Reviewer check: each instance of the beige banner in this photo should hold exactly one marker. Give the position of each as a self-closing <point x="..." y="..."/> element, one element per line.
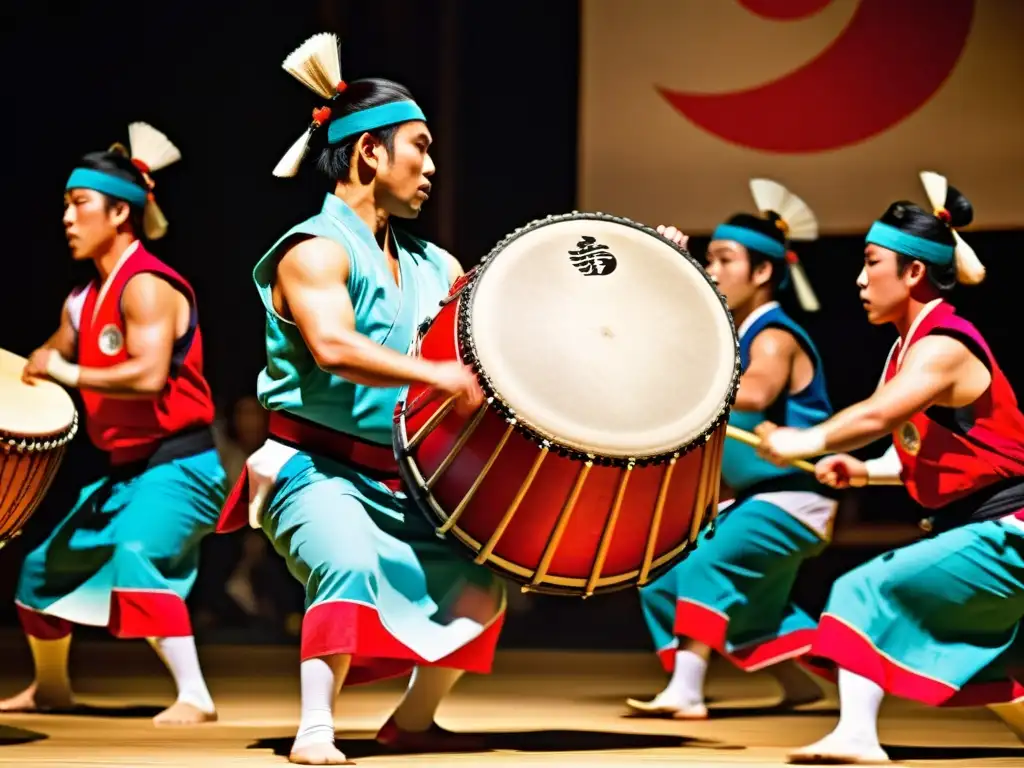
<point x="842" y="101"/>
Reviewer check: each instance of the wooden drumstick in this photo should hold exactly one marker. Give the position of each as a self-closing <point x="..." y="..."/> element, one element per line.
<point x="749" y="438"/>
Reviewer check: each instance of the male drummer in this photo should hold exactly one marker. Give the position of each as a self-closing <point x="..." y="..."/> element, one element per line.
<point x="732" y="593"/>
<point x="344" y="293"/>
<point x="127" y="554"/>
<point x="939" y="620"/>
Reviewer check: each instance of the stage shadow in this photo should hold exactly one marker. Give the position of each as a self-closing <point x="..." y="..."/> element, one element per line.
<point x="11" y="736"/>
<point x="132" y="711"/>
<point x="901" y="753"/>
<point x="727" y="713"/>
<point x="524" y="741"/>
<point x="775" y="710"/>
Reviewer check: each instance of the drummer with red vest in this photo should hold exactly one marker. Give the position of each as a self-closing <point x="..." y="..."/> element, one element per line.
<point x="937" y="621"/>
<point x="126" y="556"/>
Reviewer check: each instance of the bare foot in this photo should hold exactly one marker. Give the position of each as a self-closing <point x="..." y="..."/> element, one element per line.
<point x="318" y="754"/>
<point x="658" y="707"/>
<point x="182" y="713"/>
<point x="33" y="699"/>
<point x="835" y="750"/>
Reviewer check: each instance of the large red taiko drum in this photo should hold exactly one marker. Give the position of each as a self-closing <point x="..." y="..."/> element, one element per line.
<point x="610" y="363"/>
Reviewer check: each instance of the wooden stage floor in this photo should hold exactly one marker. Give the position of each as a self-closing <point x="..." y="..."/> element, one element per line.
<point x="539" y="709"/>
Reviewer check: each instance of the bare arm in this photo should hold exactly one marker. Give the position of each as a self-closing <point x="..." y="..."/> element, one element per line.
<point x="770" y="369"/>
<point x="455" y="270"/>
<point x="927" y="377"/>
<point x="151" y="307"/>
<point x="313" y="280"/>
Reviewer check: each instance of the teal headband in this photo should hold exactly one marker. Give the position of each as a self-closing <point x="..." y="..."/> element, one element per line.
<point x="750" y="239"/>
<point x="887" y="236"/>
<point x="88" y="178"/>
<point x="371" y="119"/>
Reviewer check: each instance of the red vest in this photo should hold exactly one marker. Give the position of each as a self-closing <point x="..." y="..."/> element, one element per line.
<point x="132" y="429"/>
<point x="975" y="446"/>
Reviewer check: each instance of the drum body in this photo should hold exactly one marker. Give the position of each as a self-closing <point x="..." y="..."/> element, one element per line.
<point x="610" y="363"/>
<point x="37" y="421"/>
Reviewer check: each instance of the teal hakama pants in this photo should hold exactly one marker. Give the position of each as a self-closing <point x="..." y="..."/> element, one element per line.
<point x="732" y="592"/>
<point x="938" y="621"/>
<point x="127" y="554"/>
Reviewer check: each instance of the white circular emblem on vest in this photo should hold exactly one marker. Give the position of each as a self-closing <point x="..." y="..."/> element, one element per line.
<point x="910" y="438"/>
<point x="111" y="340"/>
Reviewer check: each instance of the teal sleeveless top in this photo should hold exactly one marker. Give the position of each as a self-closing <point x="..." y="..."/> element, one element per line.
<point x="386" y="312"/>
<point x="742" y="467"/>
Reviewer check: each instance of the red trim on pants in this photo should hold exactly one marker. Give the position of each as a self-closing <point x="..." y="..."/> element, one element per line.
<point x="841" y="644"/>
<point x="133" y="614"/>
<point x="147" y="613"/>
<point x="706" y="626"/>
<point x="354" y="629"/>
<point x="41" y="625"/>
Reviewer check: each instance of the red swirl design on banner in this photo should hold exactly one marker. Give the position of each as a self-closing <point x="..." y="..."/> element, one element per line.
<point x="891" y="58"/>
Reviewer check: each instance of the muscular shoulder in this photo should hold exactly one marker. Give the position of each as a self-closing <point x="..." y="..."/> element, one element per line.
<point x="455" y="270"/>
<point x="774" y="342"/>
<point x="313" y="260"/>
<point x="937" y="354"/>
<point x="148" y="295"/>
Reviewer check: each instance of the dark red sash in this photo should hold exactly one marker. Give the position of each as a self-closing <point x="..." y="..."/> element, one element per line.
<point x="375" y="461"/>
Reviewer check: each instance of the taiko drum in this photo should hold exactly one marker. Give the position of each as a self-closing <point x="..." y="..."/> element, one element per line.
<point x="37" y="421"/>
<point x="610" y="363"/>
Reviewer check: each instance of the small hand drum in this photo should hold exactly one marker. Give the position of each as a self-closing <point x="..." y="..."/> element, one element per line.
<point x="37" y="421"/>
<point x="610" y="362"/>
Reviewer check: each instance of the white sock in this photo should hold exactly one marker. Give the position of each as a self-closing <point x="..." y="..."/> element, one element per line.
<point x="859" y="702"/>
<point x="797" y="685"/>
<point x="427" y="687"/>
<point x="319" y="689"/>
<point x="181" y="658"/>
<point x="687" y="683"/>
<point x="51" y="662"/>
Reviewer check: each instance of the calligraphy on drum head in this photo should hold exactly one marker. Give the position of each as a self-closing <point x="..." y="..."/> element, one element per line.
<point x="592" y="258"/>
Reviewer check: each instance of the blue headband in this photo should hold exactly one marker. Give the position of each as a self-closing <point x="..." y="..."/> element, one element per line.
<point x="750" y="239"/>
<point x="913" y="246"/>
<point x="87" y="178"/>
<point x="371" y="119"/>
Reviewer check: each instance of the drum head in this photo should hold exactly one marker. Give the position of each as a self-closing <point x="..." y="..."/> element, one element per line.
<point x="603" y="337"/>
<point x="31" y="410"/>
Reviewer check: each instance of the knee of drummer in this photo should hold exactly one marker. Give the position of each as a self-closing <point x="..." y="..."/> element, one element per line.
<point x="341" y="571"/>
<point x="479" y="602"/>
<point x="856" y="586"/>
<point x="145" y="552"/>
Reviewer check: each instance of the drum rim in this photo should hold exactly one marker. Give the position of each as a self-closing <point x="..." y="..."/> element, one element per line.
<point x="535" y="434"/>
<point x="19" y="443"/>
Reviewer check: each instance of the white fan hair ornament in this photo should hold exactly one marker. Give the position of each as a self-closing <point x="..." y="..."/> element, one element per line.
<point x="798" y="223"/>
<point x="969" y="269"/>
<point x="317" y="65"/>
<point x="149" y="150"/>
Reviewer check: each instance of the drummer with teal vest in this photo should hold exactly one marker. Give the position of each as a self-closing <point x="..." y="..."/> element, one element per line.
<point x="732" y="593"/>
<point x="345" y="292"/>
